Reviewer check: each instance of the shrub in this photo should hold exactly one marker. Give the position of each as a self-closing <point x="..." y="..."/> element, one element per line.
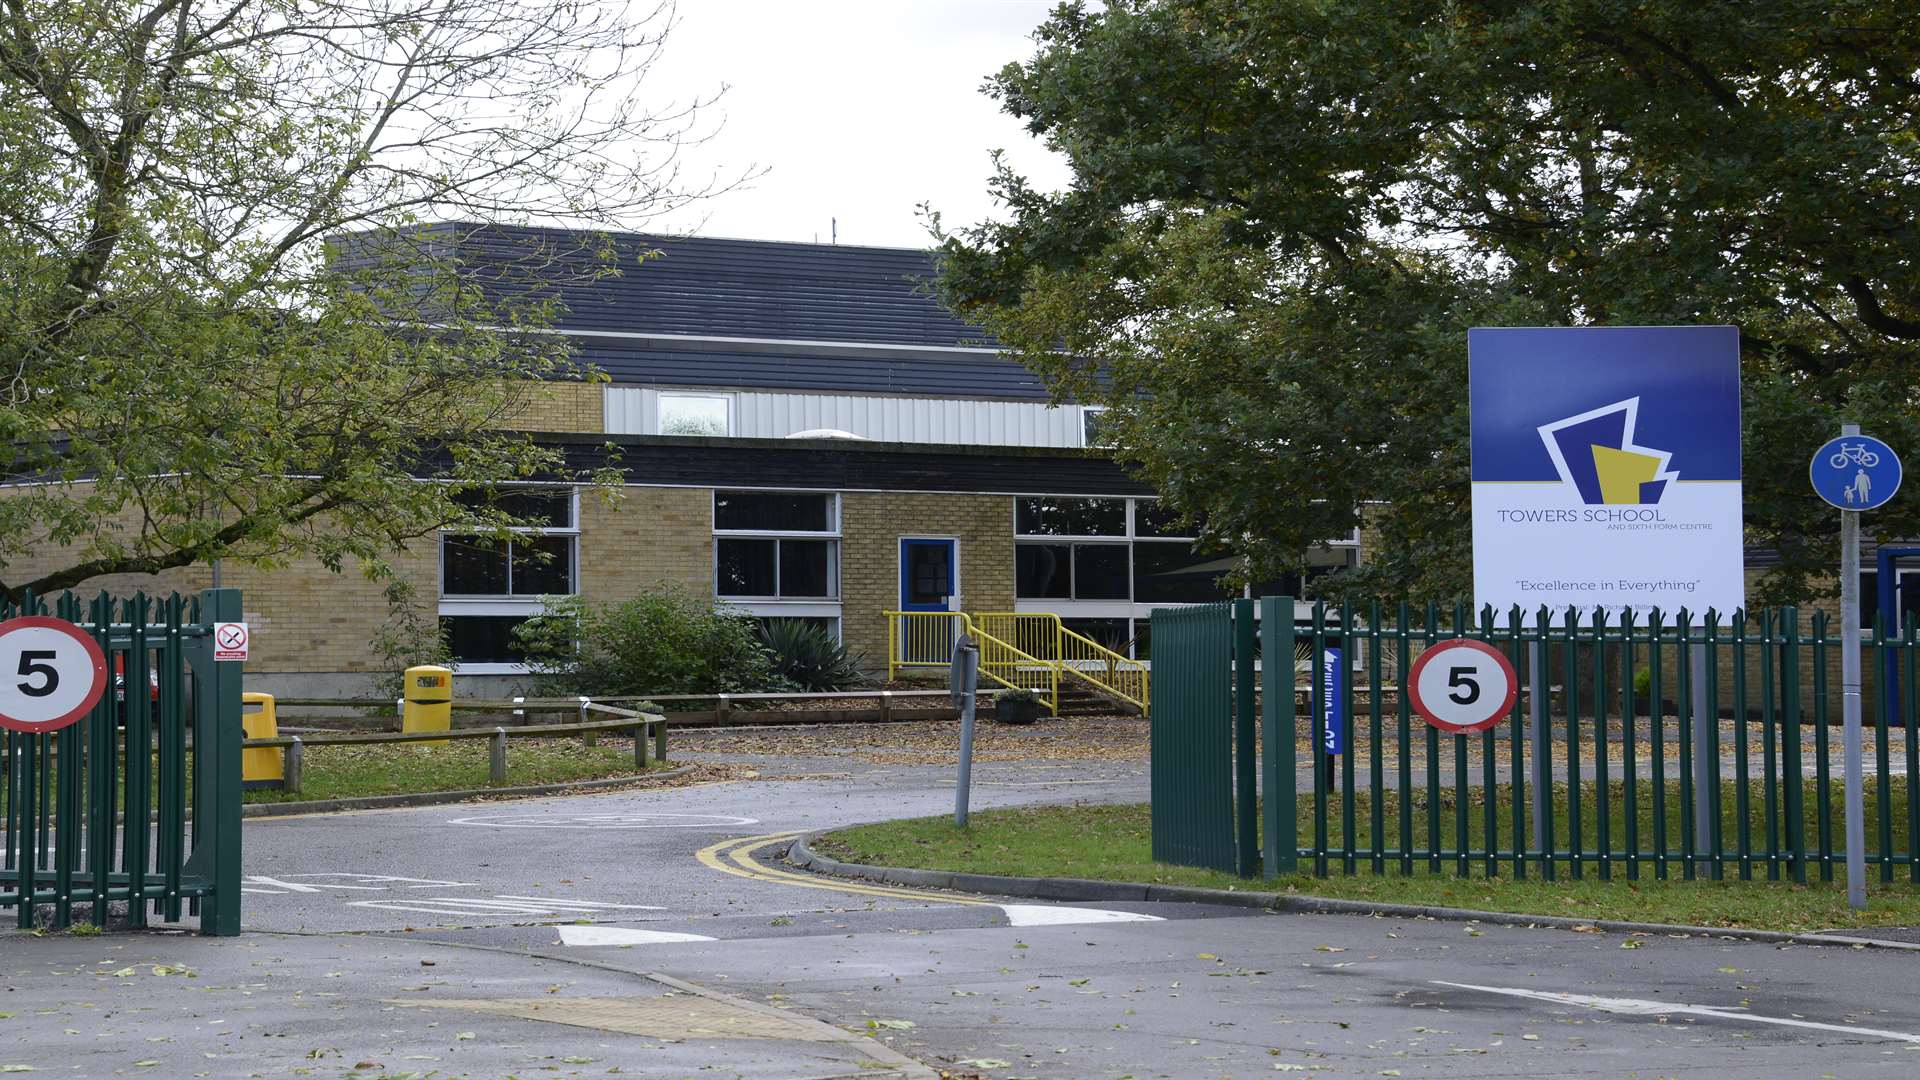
<point x="411" y="634"/>
<point x="809" y="657"/>
<point x="1642" y="682"/>
<point x="667" y="641"/>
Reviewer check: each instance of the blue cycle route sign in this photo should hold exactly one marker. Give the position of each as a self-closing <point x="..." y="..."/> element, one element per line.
<point x="1333" y="699"/>
<point x="1855" y="472"/>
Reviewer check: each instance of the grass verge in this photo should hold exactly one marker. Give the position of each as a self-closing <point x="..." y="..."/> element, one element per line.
<point x="348" y="772"/>
<point x="1114" y="843"/>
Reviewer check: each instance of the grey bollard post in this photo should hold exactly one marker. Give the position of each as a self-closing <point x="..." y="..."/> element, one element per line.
<point x="497" y="756"/>
<point x="963" y="682"/>
<point x="723" y="709"/>
<point x="293" y="764"/>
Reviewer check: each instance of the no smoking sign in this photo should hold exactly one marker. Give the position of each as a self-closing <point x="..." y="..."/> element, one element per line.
<point x="230" y="641"/>
<point x="51" y="674"/>
<point x="1462" y="686"/>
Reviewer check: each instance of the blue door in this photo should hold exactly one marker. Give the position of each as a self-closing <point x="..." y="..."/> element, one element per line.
<point x="926" y="584"/>
<point x="926" y="575"/>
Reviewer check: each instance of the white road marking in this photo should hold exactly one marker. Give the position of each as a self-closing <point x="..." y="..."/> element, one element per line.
<point x="579" y="903"/>
<point x="621" y="935"/>
<point x="369" y="883"/>
<point x="1049" y="915"/>
<point x="1643" y="1007"/>
<point x="635" y="820"/>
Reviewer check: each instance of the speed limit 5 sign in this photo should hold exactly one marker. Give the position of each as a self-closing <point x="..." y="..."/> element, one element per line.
<point x="1462" y="685"/>
<point x="51" y="673"/>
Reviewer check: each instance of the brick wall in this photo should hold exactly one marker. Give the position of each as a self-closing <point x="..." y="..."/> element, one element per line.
<point x="562" y="406"/>
<point x="872" y="525"/>
<point x="644" y="536"/>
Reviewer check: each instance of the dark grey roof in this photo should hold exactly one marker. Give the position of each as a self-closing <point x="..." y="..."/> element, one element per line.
<point x="707" y="287"/>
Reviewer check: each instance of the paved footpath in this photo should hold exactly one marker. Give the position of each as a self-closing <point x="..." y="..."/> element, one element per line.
<point x="656" y="933"/>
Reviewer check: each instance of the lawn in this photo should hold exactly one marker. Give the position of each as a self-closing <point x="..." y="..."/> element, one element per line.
<point x="345" y="772"/>
<point x="1114" y="843"/>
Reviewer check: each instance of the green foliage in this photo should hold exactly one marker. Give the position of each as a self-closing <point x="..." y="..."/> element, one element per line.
<point x="665" y="641"/>
<point x="809" y="657"/>
<point x="1285" y="214"/>
<point x="410" y="635"/>
<point x="218" y="289"/>
<point x="1642" y="682"/>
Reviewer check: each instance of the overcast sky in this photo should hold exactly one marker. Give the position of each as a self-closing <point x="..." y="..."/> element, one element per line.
<point x="858" y="109"/>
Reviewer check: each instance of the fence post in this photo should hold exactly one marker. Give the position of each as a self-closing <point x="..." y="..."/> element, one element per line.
<point x="588" y="739"/>
<point x="723" y="709"/>
<point x="640" y="745"/>
<point x="217" y="744"/>
<point x="660" y="739"/>
<point x="497" y="756"/>
<point x="1278" y="725"/>
<point x="293" y="765"/>
<point x="886" y="705"/>
<point x="1246" y="775"/>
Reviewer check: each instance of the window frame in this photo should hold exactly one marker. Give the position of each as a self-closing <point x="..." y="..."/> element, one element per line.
<point x="507" y="604"/>
<point x="728" y="399"/>
<point x="775" y="605"/>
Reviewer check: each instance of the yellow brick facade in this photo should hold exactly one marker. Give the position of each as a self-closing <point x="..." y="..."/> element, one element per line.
<point x="872" y="525"/>
<point x="562" y="406"/>
<point x="644" y="536"/>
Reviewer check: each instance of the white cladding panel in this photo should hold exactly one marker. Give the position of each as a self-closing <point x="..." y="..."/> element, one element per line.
<point x="631" y="410"/>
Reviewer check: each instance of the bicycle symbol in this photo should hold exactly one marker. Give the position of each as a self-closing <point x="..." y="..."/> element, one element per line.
<point x="1856" y="453"/>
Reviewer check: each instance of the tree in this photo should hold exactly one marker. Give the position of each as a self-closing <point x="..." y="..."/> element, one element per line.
<point x="225" y="333"/>
<point x="1283" y="217"/>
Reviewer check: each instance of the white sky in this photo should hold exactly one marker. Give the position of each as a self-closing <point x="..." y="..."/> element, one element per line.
<point x="858" y="109"/>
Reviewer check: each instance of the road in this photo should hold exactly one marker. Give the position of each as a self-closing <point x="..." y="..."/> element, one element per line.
<point x="649" y="931"/>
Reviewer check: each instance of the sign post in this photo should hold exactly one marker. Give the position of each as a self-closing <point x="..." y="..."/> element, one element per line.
<point x="962" y="685"/>
<point x="1855" y="473"/>
<point x="1606" y="476"/>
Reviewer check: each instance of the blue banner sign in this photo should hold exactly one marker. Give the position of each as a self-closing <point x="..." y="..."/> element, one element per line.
<point x="1333" y="704"/>
<point x="1606" y="468"/>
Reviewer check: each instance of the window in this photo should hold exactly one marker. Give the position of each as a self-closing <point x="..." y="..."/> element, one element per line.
<point x="1094" y="428"/>
<point x="776" y="546"/>
<point x="489" y="585"/>
<point x="1049" y="516"/>
<point x="695" y="414"/>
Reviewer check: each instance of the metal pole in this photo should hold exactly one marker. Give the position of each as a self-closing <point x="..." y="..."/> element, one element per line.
<point x="1542" y="744"/>
<point x="1850" y="698"/>
<point x="1703" y="748"/>
<point x="967" y="665"/>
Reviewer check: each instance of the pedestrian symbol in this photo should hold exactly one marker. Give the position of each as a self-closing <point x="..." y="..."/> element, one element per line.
<point x="1855" y="472"/>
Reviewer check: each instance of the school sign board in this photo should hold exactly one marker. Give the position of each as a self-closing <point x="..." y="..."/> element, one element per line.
<point x="1606" y="468"/>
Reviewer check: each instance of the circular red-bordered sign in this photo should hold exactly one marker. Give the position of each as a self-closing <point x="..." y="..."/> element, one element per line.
<point x="1462" y="686"/>
<point x="51" y="673"/>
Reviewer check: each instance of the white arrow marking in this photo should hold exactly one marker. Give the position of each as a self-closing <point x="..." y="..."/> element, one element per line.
<point x="621" y="935"/>
<point x="579" y="903"/>
<point x="1047" y="915"/>
<point x="1643" y="1007"/>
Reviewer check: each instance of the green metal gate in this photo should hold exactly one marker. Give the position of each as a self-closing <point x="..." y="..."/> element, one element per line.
<point x="1635" y="779"/>
<point x="139" y="802"/>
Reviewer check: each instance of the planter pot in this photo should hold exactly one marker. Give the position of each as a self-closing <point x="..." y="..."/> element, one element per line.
<point x="1012" y="709"/>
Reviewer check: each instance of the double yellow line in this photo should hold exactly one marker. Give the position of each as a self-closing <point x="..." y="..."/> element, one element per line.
<point x="736" y="857"/>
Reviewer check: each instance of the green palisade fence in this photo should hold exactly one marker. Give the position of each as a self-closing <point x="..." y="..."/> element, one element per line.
<point x="1637" y="784"/>
<point x="138" y="803"/>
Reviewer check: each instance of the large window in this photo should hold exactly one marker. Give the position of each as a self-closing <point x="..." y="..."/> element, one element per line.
<point x="489" y="585"/>
<point x="695" y="414"/>
<point x="777" y="553"/>
<point x="1104" y="564"/>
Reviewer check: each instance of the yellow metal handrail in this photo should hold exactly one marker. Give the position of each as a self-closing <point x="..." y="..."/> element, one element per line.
<point x="1042" y="634"/>
<point x="923" y="639"/>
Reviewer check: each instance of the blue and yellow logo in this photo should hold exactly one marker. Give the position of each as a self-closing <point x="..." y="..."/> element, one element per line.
<point x="1595" y="452"/>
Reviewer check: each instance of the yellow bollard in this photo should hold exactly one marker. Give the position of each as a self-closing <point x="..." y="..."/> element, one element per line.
<point x="260" y="767"/>
<point x="429" y="700"/>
